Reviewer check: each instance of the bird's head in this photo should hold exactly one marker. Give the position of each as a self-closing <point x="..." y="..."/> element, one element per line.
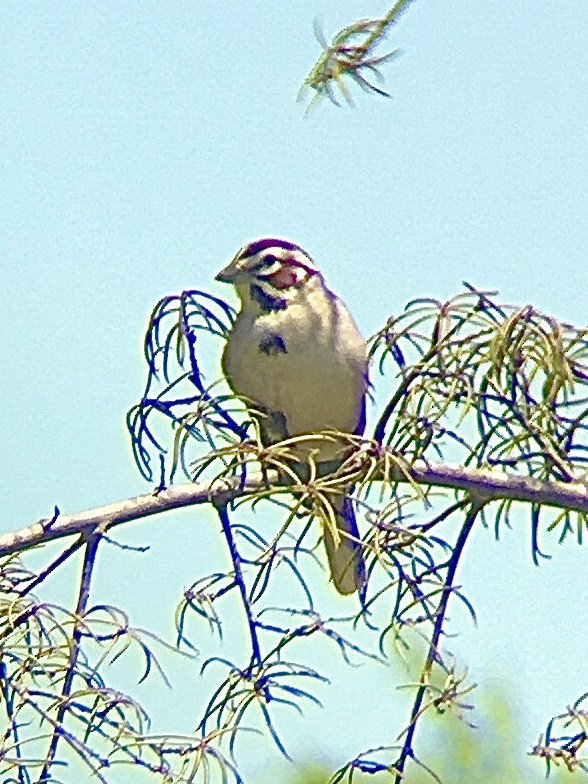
<point x="269" y="273"/>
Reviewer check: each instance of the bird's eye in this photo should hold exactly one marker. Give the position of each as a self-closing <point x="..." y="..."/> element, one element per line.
<point x="264" y="262"/>
<point x="268" y="260"/>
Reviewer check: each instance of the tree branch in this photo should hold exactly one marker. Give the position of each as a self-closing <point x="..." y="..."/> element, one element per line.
<point x="68" y="683"/>
<point x="433" y="653"/>
<point x="480" y="484"/>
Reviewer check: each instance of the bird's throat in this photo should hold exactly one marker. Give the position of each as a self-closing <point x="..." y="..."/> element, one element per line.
<point x="266" y="301"/>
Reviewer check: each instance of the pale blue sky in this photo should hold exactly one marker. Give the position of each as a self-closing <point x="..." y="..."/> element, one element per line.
<point x="142" y="143"/>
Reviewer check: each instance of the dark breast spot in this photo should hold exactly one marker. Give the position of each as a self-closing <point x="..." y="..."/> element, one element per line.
<point x="272" y="345"/>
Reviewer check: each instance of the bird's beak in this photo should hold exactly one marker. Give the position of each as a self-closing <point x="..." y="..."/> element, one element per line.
<point x="228" y="274"/>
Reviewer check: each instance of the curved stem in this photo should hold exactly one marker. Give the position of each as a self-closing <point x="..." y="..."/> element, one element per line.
<point x="196" y="377"/>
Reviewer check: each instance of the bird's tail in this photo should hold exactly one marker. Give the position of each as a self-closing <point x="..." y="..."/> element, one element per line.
<point x="345" y="558"/>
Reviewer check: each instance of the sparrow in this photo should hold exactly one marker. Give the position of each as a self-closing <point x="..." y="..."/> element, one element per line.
<point x="296" y="356"/>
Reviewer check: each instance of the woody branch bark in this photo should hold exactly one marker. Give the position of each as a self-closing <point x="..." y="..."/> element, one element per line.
<point x="480" y="484"/>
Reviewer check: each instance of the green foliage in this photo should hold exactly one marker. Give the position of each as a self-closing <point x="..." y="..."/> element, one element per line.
<point x="459" y="754"/>
<point x="498" y="391"/>
<point x="350" y="56"/>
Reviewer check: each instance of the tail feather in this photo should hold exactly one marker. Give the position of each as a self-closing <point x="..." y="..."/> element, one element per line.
<point x="345" y="558"/>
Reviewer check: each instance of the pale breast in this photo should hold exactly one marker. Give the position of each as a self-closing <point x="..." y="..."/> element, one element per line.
<point x="307" y="361"/>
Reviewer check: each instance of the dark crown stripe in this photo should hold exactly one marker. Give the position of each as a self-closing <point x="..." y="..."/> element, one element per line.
<point x="271" y="242"/>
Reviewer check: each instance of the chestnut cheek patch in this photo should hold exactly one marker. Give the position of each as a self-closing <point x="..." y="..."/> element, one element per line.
<point x="283" y="278"/>
<point x="290" y="273"/>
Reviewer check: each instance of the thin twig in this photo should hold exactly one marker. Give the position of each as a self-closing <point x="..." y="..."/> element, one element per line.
<point x="432" y="654"/>
<point x="82" y="606"/>
<point x="256" y="659"/>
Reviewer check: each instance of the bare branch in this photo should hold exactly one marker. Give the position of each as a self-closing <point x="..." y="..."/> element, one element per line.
<point x="483" y="484"/>
<point x="105" y="517"/>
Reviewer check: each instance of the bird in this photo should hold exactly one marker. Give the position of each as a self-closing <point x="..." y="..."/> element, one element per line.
<point x="295" y="355"/>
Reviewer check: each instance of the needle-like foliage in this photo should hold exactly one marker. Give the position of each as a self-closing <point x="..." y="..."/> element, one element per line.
<point x="351" y="57"/>
<point x="479" y="409"/>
